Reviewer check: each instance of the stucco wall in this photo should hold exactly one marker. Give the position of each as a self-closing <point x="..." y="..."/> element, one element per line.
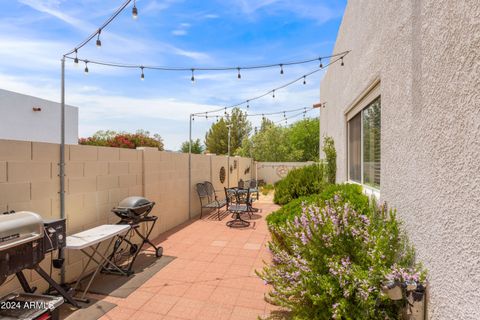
<point x="18" y="121"/>
<point x="427" y="57"/>
<point x="97" y="178"/>
<point x="271" y="172"/>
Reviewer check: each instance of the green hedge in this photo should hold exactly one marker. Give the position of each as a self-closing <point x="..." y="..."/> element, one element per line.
<point x="298" y="183"/>
<point x="351" y="193"/>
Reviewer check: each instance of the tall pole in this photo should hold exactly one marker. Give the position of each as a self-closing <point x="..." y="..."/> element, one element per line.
<point x="228" y="155"/>
<point x="62" y="162"/>
<point x="190" y="169"/>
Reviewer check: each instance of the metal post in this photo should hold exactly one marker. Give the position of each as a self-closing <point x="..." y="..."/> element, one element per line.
<point x="62" y="163"/>
<point x="190" y="169"/>
<point x="228" y="156"/>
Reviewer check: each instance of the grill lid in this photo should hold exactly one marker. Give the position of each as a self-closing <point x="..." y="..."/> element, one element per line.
<point x="18" y="228"/>
<point x="133" y="202"/>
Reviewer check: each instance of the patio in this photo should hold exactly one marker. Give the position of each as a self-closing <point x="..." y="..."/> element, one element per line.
<point x="212" y="277"/>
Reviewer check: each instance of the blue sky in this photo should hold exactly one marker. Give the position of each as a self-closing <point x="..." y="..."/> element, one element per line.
<point x="35" y="33"/>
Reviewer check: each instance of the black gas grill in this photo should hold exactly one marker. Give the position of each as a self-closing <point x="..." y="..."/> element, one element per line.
<point x="134" y="211"/>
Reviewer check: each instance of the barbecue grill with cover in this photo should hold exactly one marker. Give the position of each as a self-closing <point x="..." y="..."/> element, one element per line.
<point x="22" y="246"/>
<point x="133" y="211"/>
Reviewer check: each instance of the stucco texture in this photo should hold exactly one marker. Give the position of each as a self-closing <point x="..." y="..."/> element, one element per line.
<point x="427" y="57"/>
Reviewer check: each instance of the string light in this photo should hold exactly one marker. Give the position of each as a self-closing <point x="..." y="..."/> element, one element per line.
<point x="142" y="76"/>
<point x="75" y="61"/>
<point x="193" y="76"/>
<point x="321" y="64"/>
<point x="281" y="68"/>
<point x="99" y="43"/>
<point x="304" y="80"/>
<point x="342" y="64"/>
<point x="134" y="10"/>
<point x="248" y="104"/>
<point x="86" y="67"/>
<point x="273" y="93"/>
<point x="239" y="76"/>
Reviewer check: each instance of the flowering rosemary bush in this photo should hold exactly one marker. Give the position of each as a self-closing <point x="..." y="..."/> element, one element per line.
<point x="335" y="261"/>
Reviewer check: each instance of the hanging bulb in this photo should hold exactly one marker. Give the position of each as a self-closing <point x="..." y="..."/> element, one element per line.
<point x="99" y="42"/>
<point x="248" y="104"/>
<point x="239" y="76"/>
<point x="134" y="10"/>
<point x="225" y="111"/>
<point x="273" y="94"/>
<point x="284" y="115"/>
<point x="193" y="118"/>
<point x="321" y="64"/>
<point x="304" y="80"/>
<point x="193" y="76"/>
<point x="342" y="64"/>
<point x="86" y="67"/>
<point x="206" y="116"/>
<point x="281" y="69"/>
<point x="142" y="77"/>
<point x="75" y="61"/>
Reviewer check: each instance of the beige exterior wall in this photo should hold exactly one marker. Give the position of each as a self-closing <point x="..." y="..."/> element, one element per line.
<point x="97" y="178"/>
<point x="426" y="55"/>
<point x="271" y="172"/>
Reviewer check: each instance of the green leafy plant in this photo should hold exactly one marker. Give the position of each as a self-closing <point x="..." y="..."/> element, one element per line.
<point x="109" y="138"/>
<point x="331" y="159"/>
<point x="299" y="182"/>
<point x="349" y="192"/>
<point x="266" y="189"/>
<point x="336" y="260"/>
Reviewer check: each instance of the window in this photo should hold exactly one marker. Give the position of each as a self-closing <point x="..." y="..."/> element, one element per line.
<point x="364" y="155"/>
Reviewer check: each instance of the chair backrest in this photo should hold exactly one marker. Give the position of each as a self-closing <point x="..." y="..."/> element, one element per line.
<point x="210" y="190"/>
<point x="231" y="196"/>
<point x="252" y="184"/>
<point x="243" y="196"/>
<point x="241" y="184"/>
<point x="201" y="190"/>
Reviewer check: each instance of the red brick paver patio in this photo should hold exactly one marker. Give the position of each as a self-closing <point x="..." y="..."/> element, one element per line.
<point x="213" y="276"/>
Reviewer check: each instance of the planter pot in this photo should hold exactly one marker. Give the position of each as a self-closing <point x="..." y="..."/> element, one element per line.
<point x="394" y="290"/>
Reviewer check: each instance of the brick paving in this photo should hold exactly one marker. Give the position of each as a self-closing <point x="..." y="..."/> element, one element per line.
<point x="213" y="276"/>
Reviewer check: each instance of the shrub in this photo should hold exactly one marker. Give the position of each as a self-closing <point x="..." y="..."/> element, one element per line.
<point x="299" y="182"/>
<point x="265" y="189"/>
<point x="123" y="140"/>
<point x="331" y="157"/>
<point x="335" y="261"/>
<point x="349" y="192"/>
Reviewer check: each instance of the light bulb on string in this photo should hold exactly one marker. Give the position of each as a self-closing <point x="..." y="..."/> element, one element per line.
<point x="342" y="64"/>
<point x="75" y="60"/>
<point x="273" y="93"/>
<point x="239" y="76"/>
<point x="142" y="76"/>
<point x="304" y="80"/>
<point x="134" y="10"/>
<point x="193" y="118"/>
<point x="193" y="76"/>
<point x="281" y="69"/>
<point x="99" y="42"/>
<point x="86" y="67"/>
<point x="248" y="104"/>
<point x="225" y="111"/>
<point x="321" y="64"/>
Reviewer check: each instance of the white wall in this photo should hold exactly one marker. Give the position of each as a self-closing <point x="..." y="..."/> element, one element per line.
<point x="426" y="54"/>
<point x="18" y="121"/>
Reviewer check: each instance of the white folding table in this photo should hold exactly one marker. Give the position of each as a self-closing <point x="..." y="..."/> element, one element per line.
<point x="90" y="240"/>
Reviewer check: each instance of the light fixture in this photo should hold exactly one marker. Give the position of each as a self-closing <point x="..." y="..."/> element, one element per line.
<point x="248" y="104"/>
<point x="86" y="67"/>
<point x="193" y="76"/>
<point x="281" y="69"/>
<point x="142" y="77"/>
<point x="321" y="64"/>
<point x="304" y="79"/>
<point x="193" y="118"/>
<point x="134" y="10"/>
<point x="342" y="64"/>
<point x="76" y="58"/>
<point x="99" y="42"/>
<point x="239" y="76"/>
<point x="273" y="93"/>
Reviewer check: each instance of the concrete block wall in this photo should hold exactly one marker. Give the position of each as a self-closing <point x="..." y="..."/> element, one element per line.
<point x="96" y="180"/>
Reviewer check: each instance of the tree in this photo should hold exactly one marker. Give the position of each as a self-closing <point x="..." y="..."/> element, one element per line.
<point x="304" y="136"/>
<point x="216" y="139"/>
<point x="197" y="147"/>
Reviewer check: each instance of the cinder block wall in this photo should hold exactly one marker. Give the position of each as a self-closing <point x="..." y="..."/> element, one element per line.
<point x="97" y="178"/>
